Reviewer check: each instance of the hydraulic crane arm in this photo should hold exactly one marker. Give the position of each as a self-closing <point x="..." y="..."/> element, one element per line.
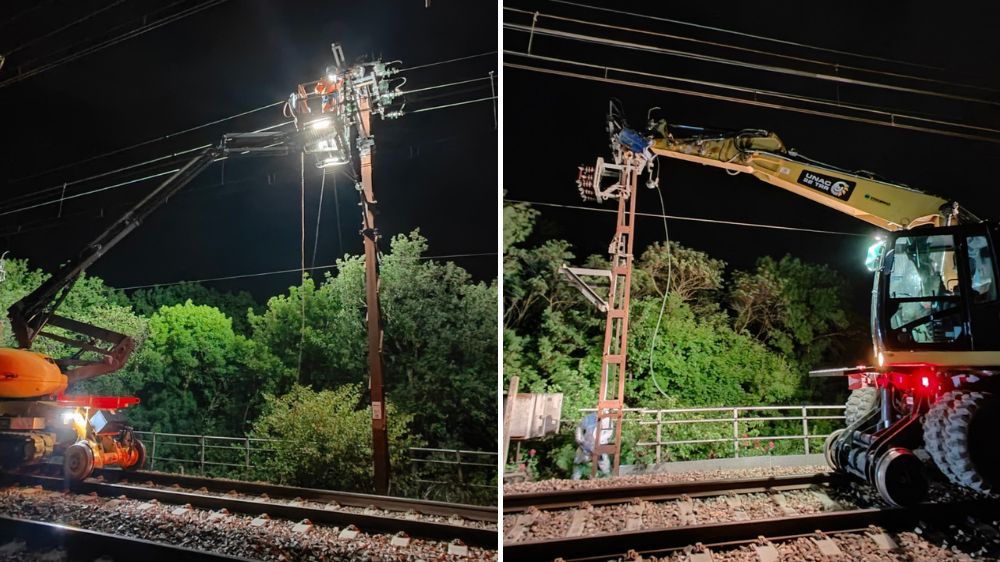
<point x="30" y="315"/>
<point x="890" y="206"/>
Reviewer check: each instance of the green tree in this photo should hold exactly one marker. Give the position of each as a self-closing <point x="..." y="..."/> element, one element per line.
<point x="323" y="440"/>
<point x="693" y="276"/>
<point x="193" y="374"/>
<point x="234" y="305"/>
<point x="796" y="308"/>
<point x="439" y="340"/>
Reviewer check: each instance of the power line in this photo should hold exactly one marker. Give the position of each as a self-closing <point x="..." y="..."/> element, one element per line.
<point x="293" y="270"/>
<point x="146" y="28"/>
<point x="742" y="64"/>
<point x="753" y="36"/>
<point x="892" y="116"/>
<point x="407" y="92"/>
<point x="456" y="104"/>
<point x="835" y="66"/>
<point x="146" y="142"/>
<point x="691" y="219"/>
<point x="58" y="30"/>
<point x="770" y="105"/>
<point x="440" y="62"/>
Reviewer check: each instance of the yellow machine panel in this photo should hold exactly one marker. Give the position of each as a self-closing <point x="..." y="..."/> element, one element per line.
<point x="26" y="374"/>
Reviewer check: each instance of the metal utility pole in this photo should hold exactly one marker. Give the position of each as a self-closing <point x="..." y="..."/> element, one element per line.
<point x="380" y="433"/>
<point x="335" y="110"/>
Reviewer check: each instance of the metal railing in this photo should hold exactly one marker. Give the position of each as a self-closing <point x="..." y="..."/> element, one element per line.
<point x="737" y="427"/>
<point x="431" y="467"/>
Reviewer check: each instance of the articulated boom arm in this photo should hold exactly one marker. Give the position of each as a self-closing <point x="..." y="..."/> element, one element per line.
<point x="30" y="315"/>
<point x="886" y="205"/>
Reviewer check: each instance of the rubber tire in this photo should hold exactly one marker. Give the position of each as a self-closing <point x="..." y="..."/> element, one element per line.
<point x="142" y="457"/>
<point x="956" y="424"/>
<point x="78" y="462"/>
<point x="934" y="433"/>
<point x="859" y="403"/>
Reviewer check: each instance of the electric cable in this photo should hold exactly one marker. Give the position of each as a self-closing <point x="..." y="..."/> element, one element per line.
<point x="891" y="115"/>
<point x="770" y="105"/>
<point x="336" y="208"/>
<point x="146" y="28"/>
<point x="302" y="256"/>
<point x="446" y="106"/>
<point x="741" y="64"/>
<point x="837" y="67"/>
<point x="691" y="219"/>
<point x="753" y="36"/>
<point x="440" y="62"/>
<point x="319" y="215"/>
<point x="145" y="142"/>
<point x="76" y="21"/>
<point x="666" y="291"/>
<point x="297" y="270"/>
<point x="408" y="92"/>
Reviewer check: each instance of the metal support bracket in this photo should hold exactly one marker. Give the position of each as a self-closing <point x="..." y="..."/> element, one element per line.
<point x="575" y="275"/>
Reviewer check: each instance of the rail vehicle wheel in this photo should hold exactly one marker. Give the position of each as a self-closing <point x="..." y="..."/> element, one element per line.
<point x="140" y="462"/>
<point x="828" y="452"/>
<point x="899" y="477"/>
<point x="969" y="428"/>
<point x="859" y="403"/>
<point x="935" y="438"/>
<point x="78" y="462"/>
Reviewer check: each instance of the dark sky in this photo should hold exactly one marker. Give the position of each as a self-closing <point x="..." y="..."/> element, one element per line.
<point x="435" y="170"/>
<point x="566" y="117"/>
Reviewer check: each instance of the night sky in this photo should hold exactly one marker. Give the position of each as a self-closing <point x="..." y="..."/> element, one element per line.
<point x="566" y="119"/>
<point x="435" y="170"/>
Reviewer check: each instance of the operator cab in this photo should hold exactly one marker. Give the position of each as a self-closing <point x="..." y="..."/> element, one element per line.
<point x="936" y="290"/>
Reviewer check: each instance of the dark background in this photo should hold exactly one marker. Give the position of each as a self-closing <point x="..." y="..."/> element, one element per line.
<point x="434" y="170"/>
<point x="562" y="120"/>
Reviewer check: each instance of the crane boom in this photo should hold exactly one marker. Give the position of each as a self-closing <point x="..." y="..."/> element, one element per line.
<point x="887" y="205"/>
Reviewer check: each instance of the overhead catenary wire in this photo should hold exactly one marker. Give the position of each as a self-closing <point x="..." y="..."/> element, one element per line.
<point x="447" y="105"/>
<point x="77" y="54"/>
<point x="293" y="270"/>
<point x="893" y="116"/>
<point x="62" y="28"/>
<point x="758" y="103"/>
<point x="628" y="45"/>
<point x="836" y="66"/>
<point x="48" y="171"/>
<point x="448" y="61"/>
<point x="691" y="219"/>
<point x="755" y="36"/>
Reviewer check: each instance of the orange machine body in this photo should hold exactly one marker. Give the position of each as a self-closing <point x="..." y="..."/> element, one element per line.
<point x="27" y="374"/>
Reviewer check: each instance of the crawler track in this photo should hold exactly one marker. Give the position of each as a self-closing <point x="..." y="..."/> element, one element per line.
<point x="253" y="503"/>
<point x="628" y="544"/>
<point x="82" y="544"/>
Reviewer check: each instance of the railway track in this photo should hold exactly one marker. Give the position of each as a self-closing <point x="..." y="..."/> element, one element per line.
<point x="471" y="525"/>
<point x="634" y="545"/>
<point x="20" y="537"/>
<point x="563" y="499"/>
<point x="629" y="522"/>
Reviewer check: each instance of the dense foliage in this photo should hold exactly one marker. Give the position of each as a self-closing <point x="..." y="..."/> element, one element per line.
<point x="210" y="362"/>
<point x="724" y="338"/>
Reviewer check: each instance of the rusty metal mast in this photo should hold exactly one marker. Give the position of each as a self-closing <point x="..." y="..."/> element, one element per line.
<point x="628" y="166"/>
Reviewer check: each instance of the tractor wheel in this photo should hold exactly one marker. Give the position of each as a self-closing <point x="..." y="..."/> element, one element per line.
<point x="78" y="463"/>
<point x="140" y="462"/>
<point x="969" y="428"/>
<point x="859" y="403"/>
<point x="934" y="433"/>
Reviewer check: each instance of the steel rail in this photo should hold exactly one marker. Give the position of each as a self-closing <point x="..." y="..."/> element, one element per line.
<point x="515" y="503"/>
<point x="656" y="541"/>
<point x="221" y="485"/>
<point x="84" y="544"/>
<point x="473" y="536"/>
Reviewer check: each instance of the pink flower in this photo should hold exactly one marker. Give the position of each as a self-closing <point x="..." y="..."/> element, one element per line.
<point x="770" y="444"/>
<point x="532" y="453"/>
